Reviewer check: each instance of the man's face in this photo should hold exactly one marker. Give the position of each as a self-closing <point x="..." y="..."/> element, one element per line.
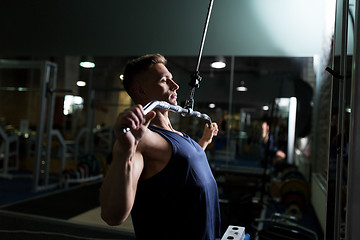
<point x="157" y="84"/>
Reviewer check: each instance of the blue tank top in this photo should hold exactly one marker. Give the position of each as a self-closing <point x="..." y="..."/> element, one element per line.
<point x="181" y="201"/>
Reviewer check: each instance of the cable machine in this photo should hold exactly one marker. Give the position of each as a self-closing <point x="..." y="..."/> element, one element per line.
<point x="352" y="230"/>
<point x="47" y="90"/>
<point x="194" y="83"/>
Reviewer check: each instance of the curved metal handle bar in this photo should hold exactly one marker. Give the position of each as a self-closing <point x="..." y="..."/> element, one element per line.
<point x="185" y="112"/>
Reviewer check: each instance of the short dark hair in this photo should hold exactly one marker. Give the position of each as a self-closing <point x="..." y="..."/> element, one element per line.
<point x="139" y="65"/>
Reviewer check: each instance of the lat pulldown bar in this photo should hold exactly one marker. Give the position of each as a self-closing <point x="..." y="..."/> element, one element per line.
<point x="185" y="112"/>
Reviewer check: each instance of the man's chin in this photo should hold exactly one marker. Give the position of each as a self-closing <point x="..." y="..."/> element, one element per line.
<point x="172" y="101"/>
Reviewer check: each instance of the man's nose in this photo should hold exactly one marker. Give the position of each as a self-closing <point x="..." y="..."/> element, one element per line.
<point x="173" y="85"/>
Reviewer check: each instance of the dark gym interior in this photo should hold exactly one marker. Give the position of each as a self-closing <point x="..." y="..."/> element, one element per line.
<point x="290" y="71"/>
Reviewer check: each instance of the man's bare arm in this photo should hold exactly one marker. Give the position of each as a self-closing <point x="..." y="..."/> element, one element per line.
<point x="117" y="193"/>
<point x="209" y="133"/>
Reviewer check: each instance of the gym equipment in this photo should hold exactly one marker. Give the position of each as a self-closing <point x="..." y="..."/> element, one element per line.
<point x="7" y="151"/>
<point x="174" y="108"/>
<point x="83" y="133"/>
<point x="104" y="139"/>
<point x="284" y="227"/>
<point x="81" y="174"/>
<point x="292" y="173"/>
<point x="106" y="136"/>
<point x="284" y="233"/>
<point x="194" y="83"/>
<point x="92" y="162"/>
<point x="44" y="129"/>
<point x="102" y="162"/>
<point x="294" y="191"/>
<point x="235" y="232"/>
<point x="45" y="117"/>
<point x="91" y="167"/>
<point x="196" y="78"/>
<point x="353" y="187"/>
<point x="295" y="194"/>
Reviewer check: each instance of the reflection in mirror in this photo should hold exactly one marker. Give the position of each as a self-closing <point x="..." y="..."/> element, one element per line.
<point x="261" y="138"/>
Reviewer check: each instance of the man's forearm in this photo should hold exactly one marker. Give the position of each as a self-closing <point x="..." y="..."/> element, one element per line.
<point x="203" y="143"/>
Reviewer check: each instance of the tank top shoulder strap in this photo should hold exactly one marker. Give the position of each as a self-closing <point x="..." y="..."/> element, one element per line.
<point x="175" y="139"/>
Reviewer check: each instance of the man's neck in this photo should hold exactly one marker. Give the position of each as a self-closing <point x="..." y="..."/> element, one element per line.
<point x="162" y="121"/>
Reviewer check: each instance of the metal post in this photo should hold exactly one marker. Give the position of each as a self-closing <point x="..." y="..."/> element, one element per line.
<point x="90" y="112"/>
<point x="51" y="85"/>
<point x="291" y="130"/>
<point x="341" y="112"/>
<point x="57" y="134"/>
<point x="228" y="144"/>
<point x="46" y="112"/>
<point x="40" y="126"/>
<point x="4" y="138"/>
<point x="353" y="186"/>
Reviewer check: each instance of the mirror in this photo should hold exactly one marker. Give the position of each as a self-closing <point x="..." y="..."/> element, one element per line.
<point x="236" y="154"/>
<point x="274" y="50"/>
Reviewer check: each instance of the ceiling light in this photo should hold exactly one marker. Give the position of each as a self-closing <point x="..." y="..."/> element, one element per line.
<point x="87" y="62"/>
<point x="265" y="107"/>
<point x="121" y="76"/>
<point x="212" y="105"/>
<point x="218" y="63"/>
<point x="81" y="83"/>
<point x="242" y="87"/>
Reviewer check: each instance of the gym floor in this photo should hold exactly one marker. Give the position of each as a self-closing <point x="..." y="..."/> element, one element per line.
<point x="79" y="206"/>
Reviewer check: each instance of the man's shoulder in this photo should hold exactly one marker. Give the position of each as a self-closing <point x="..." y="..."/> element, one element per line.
<point x="151" y="141"/>
<point x="156" y="152"/>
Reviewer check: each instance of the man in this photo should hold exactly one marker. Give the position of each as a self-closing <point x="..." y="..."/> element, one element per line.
<point x="159" y="174"/>
<point x="278" y="156"/>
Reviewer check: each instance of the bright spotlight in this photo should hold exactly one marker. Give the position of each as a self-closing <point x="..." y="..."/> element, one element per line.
<point x="218" y="65"/>
<point x="241" y="89"/>
<point x="87" y="64"/>
<point x="81" y="83"/>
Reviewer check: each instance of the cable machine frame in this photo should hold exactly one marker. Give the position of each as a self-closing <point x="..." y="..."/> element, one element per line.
<point x="48" y="77"/>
